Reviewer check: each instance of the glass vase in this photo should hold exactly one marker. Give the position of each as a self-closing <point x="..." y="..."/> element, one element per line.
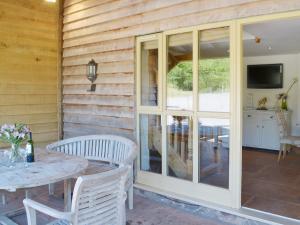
<point x="15" y="154"/>
<point x="284" y="104"/>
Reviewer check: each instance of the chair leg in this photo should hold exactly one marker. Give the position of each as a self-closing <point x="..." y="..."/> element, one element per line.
<point x="51" y="189"/>
<point x="31" y="216"/>
<point x="289" y="149"/>
<point x="123" y="216"/>
<point x="130" y="197"/>
<point x="280" y="152"/>
<point x="284" y="151"/>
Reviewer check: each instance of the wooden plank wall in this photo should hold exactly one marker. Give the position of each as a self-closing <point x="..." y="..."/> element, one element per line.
<point x="105" y="30"/>
<point x="29" y="66"/>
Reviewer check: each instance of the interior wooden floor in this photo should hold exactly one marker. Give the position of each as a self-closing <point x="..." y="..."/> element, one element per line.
<point x="271" y="186"/>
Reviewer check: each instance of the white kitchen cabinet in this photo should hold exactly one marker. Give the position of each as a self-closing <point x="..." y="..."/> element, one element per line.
<point x="250" y="128"/>
<point x="260" y="129"/>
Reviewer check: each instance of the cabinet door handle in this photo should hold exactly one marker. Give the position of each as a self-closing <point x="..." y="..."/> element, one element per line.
<point x="249" y="115"/>
<point x="271" y="117"/>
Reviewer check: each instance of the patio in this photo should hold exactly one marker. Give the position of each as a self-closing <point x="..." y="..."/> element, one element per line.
<point x="167" y="211"/>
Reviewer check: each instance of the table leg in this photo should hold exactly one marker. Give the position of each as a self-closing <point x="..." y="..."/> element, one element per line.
<point x="16" y="211"/>
<point x="27" y="193"/>
<point x="215" y="134"/>
<point x="68" y="194"/>
<point x="3" y="199"/>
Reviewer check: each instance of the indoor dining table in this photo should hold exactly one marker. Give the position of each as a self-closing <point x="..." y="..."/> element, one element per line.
<point x="49" y="167"/>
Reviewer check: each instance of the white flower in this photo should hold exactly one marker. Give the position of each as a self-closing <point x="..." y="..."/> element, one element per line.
<point x="15" y="134"/>
<point x="11" y="127"/>
<point x="4" y="127"/>
<point x="7" y="134"/>
<point x="25" y="129"/>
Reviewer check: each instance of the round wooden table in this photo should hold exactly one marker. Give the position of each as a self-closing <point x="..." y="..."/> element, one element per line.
<point x="49" y="167"/>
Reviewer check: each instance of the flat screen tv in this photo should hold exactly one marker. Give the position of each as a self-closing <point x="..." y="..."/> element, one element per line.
<point x="265" y="76"/>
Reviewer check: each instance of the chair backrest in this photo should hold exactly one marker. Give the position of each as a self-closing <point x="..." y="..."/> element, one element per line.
<point x="108" y="148"/>
<point x="99" y="199"/>
<point x="282" y="123"/>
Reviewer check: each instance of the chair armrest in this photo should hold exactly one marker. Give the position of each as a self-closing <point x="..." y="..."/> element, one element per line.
<point x="130" y="160"/>
<point x="30" y="204"/>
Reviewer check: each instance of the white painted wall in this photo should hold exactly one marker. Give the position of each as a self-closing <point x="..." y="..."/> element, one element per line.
<point x="291" y="69"/>
<point x="297" y="128"/>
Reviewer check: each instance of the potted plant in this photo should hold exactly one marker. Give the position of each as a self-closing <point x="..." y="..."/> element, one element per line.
<point x="15" y="135"/>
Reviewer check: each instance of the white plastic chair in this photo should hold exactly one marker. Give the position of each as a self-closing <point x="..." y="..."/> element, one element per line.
<point x="112" y="149"/>
<point x="285" y="138"/>
<point x="98" y="199"/>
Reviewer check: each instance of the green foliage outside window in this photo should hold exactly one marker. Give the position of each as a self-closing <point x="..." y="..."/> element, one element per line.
<point x="214" y="75"/>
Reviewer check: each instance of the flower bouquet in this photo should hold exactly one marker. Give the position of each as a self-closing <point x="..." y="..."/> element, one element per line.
<point x="15" y="135"/>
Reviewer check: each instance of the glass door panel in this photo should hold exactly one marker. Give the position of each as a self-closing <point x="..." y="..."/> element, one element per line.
<point x="180" y="71"/>
<point x="150" y="143"/>
<point x="149" y="73"/>
<point x="214" y="97"/>
<point x="180" y="147"/>
<point x="214" y="70"/>
<point x="213" y="147"/>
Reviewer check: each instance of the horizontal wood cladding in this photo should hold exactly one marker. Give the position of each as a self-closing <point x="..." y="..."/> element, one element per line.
<point x="29" y="66"/>
<point x="113" y="56"/>
<point x="119" y="44"/>
<point x="105" y="100"/>
<point x="105" y="30"/>
<point x="102" y="89"/>
<point x="99" y="110"/>
<point x="107" y="78"/>
<point x="77" y="129"/>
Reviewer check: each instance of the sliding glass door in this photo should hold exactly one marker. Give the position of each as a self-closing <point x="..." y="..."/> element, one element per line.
<point x="185" y="112"/>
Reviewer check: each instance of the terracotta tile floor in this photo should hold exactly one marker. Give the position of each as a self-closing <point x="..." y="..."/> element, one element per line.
<point x="271" y="186"/>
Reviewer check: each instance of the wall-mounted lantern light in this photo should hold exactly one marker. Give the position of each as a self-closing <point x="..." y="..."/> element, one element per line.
<point x="92" y="73"/>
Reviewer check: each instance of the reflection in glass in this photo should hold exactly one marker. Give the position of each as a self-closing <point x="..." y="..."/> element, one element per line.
<point x="214" y="151"/>
<point x="149" y="73"/>
<point x="180" y="71"/>
<point x="150" y="143"/>
<point x="180" y="147"/>
<point x="214" y="70"/>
